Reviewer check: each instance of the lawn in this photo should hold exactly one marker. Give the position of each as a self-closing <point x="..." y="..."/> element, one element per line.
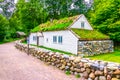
<point x="113" y="57"/>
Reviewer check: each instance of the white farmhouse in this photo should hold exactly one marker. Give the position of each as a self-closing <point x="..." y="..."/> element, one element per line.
<point x="73" y="34"/>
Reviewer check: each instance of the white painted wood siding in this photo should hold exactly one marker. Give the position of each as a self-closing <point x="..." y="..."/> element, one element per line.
<point x="31" y="38"/>
<point x="69" y="42"/>
<point x="77" y="24"/>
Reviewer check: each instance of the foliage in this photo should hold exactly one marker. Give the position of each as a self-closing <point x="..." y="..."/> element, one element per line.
<point x="105" y="16"/>
<point x="4" y="28"/>
<point x="90" y="34"/>
<point x="77" y="76"/>
<point x="67" y="72"/>
<point x="114" y="56"/>
<point x="55" y="24"/>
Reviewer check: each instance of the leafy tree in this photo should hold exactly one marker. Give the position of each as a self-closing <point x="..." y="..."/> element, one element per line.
<point x="105" y="16"/>
<point x="4" y="28"/>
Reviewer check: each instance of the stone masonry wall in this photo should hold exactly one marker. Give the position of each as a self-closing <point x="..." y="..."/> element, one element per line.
<point x="86" y="68"/>
<point x="95" y="47"/>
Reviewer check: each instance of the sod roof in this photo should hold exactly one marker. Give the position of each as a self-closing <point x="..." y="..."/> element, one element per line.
<point x="90" y="34"/>
<point x="55" y="25"/>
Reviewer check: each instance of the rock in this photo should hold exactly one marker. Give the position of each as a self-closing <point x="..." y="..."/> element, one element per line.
<point x="67" y="67"/>
<point x="89" y="79"/>
<point x="105" y="71"/>
<point x="88" y="70"/>
<point x="118" y="76"/>
<point x="115" y="79"/>
<point x="102" y="78"/>
<point x="109" y="77"/>
<point x="62" y="67"/>
<point x="86" y="65"/>
<point x="112" y="67"/>
<point x="77" y="70"/>
<point x="81" y="64"/>
<point x="72" y="68"/>
<point x="92" y="75"/>
<point x="96" y="78"/>
<point x="117" y="72"/>
<point x="85" y="75"/>
<point x="82" y="69"/>
<point x="77" y="59"/>
<point x="98" y="73"/>
<point x="68" y="64"/>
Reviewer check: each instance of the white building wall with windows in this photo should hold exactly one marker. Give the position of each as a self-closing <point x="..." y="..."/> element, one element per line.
<point x="66" y="41"/>
<point x="33" y="38"/>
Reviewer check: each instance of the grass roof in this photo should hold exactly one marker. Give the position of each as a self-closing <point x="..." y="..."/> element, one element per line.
<point x="60" y="24"/>
<point x="90" y="34"/>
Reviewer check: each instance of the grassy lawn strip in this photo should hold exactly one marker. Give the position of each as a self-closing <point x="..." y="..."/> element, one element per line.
<point x="51" y="49"/>
<point x="56" y="50"/>
<point x="113" y="57"/>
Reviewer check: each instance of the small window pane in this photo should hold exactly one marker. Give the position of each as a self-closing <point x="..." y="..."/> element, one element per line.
<point x="82" y="24"/>
<point x="59" y="39"/>
<point x="34" y="38"/>
<point x="46" y="39"/>
<point x="54" y="39"/>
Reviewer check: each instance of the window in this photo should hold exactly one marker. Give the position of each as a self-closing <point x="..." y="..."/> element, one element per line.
<point x="54" y="39"/>
<point x="34" y="38"/>
<point x="59" y="39"/>
<point x="46" y="39"/>
<point x="82" y="24"/>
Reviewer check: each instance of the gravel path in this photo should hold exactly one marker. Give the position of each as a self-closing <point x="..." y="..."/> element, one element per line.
<point x="16" y="65"/>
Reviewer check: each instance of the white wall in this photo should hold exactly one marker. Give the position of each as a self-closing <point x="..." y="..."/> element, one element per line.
<point x="69" y="42"/>
<point x="77" y="24"/>
<point x="41" y="40"/>
<point x="31" y="38"/>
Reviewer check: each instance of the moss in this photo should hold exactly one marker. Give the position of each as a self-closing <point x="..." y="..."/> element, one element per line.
<point x="60" y="24"/>
<point x="90" y="34"/>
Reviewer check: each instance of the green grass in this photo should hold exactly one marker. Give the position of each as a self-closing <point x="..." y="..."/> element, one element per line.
<point x="51" y="49"/>
<point x="77" y="76"/>
<point x="9" y="40"/>
<point x="60" y="24"/>
<point x="67" y="72"/>
<point x="56" y="50"/>
<point x="113" y="57"/>
<point x="90" y="34"/>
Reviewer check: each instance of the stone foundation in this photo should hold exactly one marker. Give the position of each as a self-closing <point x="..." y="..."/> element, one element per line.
<point x="89" y="48"/>
<point x="87" y="69"/>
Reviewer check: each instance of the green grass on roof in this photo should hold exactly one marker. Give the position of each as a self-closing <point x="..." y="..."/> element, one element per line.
<point x="90" y="34"/>
<point x="60" y="24"/>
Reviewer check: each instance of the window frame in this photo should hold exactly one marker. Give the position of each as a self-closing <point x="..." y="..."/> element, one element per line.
<point x="34" y="38"/>
<point x="82" y="24"/>
<point x="60" y="39"/>
<point x="54" y="39"/>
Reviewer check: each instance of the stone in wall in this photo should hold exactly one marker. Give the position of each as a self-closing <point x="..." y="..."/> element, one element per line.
<point x="89" y="48"/>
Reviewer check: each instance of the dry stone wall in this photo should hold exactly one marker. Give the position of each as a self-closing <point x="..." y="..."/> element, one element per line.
<point x="88" y="69"/>
<point x="95" y="47"/>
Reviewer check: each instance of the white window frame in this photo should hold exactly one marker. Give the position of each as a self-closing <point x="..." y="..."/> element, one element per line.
<point x="60" y="39"/>
<point x="54" y="39"/>
<point x="82" y="24"/>
<point x="34" y="38"/>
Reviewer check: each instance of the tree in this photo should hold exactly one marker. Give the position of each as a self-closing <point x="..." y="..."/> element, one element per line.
<point x="105" y="17"/>
<point x="4" y="28"/>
